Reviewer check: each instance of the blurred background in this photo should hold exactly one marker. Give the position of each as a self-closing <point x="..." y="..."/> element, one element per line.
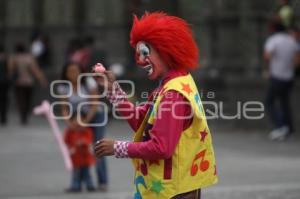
<point x="231" y="35"/>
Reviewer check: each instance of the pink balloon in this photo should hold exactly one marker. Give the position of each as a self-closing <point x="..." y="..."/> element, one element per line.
<point x="44" y="109"/>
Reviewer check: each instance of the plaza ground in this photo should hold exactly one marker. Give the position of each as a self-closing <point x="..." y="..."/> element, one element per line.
<point x="249" y="165"/>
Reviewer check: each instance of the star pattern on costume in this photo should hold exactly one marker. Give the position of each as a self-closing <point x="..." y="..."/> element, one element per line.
<point x="186" y="88"/>
<point x="157" y="186"/>
<point x="156" y="162"/>
<point x="203" y="135"/>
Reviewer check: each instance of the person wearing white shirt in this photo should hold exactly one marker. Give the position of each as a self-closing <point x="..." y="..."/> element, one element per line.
<point x="280" y="52"/>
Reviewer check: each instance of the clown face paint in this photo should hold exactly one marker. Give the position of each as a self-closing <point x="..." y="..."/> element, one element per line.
<point x="148" y="59"/>
<point x="142" y="57"/>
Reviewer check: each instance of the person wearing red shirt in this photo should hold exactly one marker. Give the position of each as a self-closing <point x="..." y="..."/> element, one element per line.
<point x="80" y="141"/>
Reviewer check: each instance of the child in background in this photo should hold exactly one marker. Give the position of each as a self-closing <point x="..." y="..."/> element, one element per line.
<point x="80" y="142"/>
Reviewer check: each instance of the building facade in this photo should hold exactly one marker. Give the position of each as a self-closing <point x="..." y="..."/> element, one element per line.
<point x="230" y="33"/>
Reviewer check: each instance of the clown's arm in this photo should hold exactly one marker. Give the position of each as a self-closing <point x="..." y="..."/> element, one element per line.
<point x="133" y="114"/>
<point x="118" y="97"/>
<point x="166" y="130"/>
<point x="165" y="134"/>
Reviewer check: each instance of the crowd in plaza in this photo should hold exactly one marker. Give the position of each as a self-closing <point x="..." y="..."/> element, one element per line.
<point x="19" y="72"/>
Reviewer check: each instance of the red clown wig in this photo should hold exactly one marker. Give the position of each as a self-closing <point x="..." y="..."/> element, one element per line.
<point x="171" y="37"/>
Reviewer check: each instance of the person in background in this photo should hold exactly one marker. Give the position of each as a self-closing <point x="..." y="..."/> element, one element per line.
<point x="285" y="14"/>
<point x="81" y="55"/>
<point x="72" y="46"/>
<point x="280" y="53"/>
<point x="96" y="53"/>
<point x="4" y="86"/>
<point x="94" y="113"/>
<point x="40" y="49"/>
<point x="79" y="140"/>
<point x="24" y="68"/>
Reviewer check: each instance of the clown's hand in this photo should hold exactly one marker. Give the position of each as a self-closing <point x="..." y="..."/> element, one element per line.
<point x="106" y="78"/>
<point x="104" y="147"/>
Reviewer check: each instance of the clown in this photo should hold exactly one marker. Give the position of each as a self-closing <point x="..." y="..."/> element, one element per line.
<point x="172" y="149"/>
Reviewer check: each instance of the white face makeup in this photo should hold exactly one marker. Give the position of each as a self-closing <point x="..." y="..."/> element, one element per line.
<point x="143" y="53"/>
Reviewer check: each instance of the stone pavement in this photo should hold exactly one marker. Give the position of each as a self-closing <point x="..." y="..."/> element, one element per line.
<point x="249" y="165"/>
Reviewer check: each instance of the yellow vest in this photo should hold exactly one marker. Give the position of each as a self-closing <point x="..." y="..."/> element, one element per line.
<point x="192" y="166"/>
